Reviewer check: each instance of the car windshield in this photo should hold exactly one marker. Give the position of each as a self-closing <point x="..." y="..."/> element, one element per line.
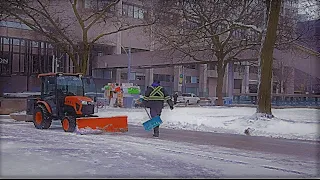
<point x="70" y="85"/>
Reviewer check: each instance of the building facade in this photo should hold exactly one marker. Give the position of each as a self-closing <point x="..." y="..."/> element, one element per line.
<point x="130" y="56"/>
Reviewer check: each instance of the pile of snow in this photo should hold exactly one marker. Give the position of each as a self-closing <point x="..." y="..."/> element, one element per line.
<point x="293" y="123"/>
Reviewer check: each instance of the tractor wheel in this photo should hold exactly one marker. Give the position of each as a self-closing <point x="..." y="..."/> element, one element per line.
<point x="68" y="124"/>
<point x="41" y="118"/>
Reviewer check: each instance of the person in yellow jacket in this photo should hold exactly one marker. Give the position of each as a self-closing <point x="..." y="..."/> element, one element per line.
<point x="154" y="98"/>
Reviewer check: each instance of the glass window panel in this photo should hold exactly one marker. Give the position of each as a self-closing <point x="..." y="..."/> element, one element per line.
<point x="168" y="78"/>
<point x="35" y="64"/>
<point x="107" y="74"/>
<point x="21" y="62"/>
<point x="188" y="79"/>
<point x="124" y="76"/>
<point x="22" y="42"/>
<point x="130" y="11"/>
<point x="35" y="44"/>
<point x="15" y="61"/>
<point x="140" y="13"/>
<point x="194" y="79"/>
<point x="16" y="41"/>
<point x="5" y="40"/>
<point x="3" y="23"/>
<point x="136" y="12"/>
<point x="125" y="9"/>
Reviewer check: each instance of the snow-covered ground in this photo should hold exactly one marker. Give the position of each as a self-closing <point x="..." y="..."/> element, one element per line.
<point x="27" y="152"/>
<point x="291" y="123"/>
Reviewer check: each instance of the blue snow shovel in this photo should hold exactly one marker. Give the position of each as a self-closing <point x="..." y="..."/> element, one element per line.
<point x="152" y="123"/>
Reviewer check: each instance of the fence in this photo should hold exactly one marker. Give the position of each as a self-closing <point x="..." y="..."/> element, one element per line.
<point x="280" y="99"/>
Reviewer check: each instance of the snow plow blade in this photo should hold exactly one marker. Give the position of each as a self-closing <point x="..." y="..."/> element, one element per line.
<point x="105" y="124"/>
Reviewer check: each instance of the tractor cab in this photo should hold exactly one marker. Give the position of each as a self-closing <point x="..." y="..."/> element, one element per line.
<point x="64" y="93"/>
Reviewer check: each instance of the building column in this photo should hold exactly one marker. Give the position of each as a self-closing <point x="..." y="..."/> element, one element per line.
<point x="118" y="76"/>
<point x="245" y="79"/>
<point x="177" y="78"/>
<point x="203" y="79"/>
<point x="229" y="80"/>
<point x="148" y="77"/>
<point x="289" y="84"/>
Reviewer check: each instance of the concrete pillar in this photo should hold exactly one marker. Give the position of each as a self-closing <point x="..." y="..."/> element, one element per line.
<point x="229" y="80"/>
<point x="289" y="83"/>
<point x="203" y="79"/>
<point x="118" y="76"/>
<point x="176" y="87"/>
<point x="181" y="79"/>
<point x="245" y="79"/>
<point x="148" y="77"/>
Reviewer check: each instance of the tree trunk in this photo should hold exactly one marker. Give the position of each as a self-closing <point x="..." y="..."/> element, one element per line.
<point x="84" y="61"/>
<point x="266" y="60"/>
<point x="221" y="71"/>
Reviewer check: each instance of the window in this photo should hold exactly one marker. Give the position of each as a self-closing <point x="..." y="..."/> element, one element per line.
<point x="107" y="74"/>
<point x="162" y="77"/>
<point x="124" y="76"/>
<point x="11" y="24"/>
<point x="130" y="11"/>
<point x="141" y="14"/>
<point x="168" y="78"/>
<point x="124" y="9"/>
<point x="49" y="86"/>
<point x="15" y="61"/>
<point x="16" y="41"/>
<point x="134" y="11"/>
<point x="212" y="66"/>
<point x="253" y="69"/>
<point x="140" y="77"/>
<point x="191" y="66"/>
<point x="35" y="44"/>
<point x="5" y="40"/>
<point x="155" y="77"/>
<point x="188" y="79"/>
<point x="237" y="84"/>
<point x="194" y="79"/>
<point x="103" y="3"/>
<point x="35" y="64"/>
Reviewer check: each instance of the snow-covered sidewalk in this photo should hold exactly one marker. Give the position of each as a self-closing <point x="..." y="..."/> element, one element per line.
<point x="293" y="123"/>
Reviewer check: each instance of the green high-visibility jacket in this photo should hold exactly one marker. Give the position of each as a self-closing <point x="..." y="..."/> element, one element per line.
<point x="156" y="94"/>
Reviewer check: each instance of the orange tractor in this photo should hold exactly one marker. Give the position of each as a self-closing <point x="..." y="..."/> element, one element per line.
<point x="62" y="98"/>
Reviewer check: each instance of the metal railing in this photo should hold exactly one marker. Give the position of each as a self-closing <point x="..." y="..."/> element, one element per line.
<point x="280" y="99"/>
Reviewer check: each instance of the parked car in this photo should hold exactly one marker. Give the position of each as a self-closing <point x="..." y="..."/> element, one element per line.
<point x="188" y="98"/>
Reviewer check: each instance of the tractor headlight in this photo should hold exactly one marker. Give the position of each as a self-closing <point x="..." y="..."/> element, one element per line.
<point x="84" y="102"/>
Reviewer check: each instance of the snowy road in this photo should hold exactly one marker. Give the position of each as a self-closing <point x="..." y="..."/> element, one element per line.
<point x="28" y="152"/>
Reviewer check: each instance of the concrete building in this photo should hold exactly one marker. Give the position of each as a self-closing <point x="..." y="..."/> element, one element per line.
<point x="131" y="56"/>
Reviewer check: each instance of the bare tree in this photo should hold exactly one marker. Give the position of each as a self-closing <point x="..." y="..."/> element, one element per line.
<point x="71" y="27"/>
<point x="210" y="31"/>
<point x="266" y="58"/>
